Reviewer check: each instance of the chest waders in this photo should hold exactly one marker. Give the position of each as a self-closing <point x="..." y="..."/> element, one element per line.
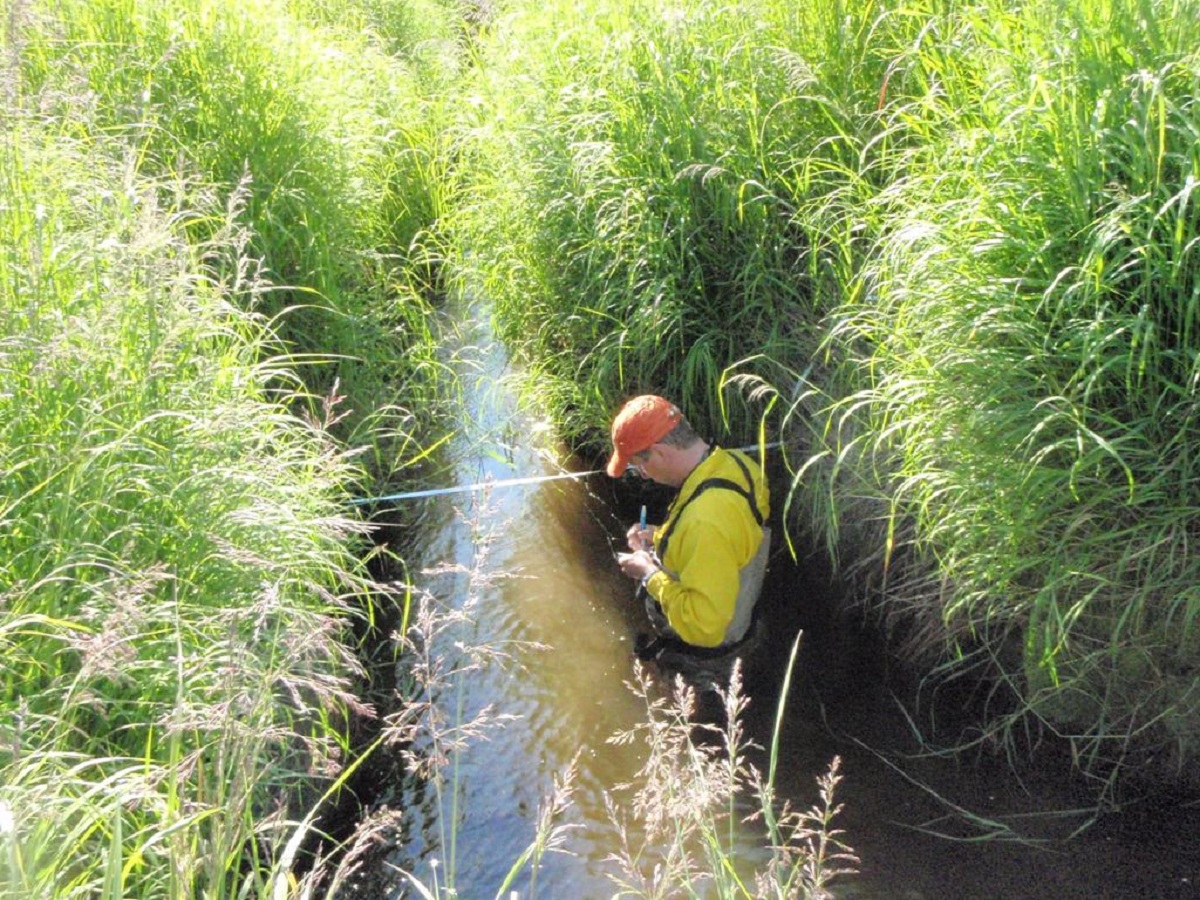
<point x="750" y="578"/>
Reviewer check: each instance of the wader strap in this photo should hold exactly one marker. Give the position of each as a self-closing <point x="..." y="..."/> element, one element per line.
<point x="654" y="608"/>
<point x="725" y="484"/>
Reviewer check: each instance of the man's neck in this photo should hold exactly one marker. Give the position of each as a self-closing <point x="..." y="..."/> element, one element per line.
<point x="687" y="459"/>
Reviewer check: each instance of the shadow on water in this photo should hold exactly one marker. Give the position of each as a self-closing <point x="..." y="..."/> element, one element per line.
<point x="923" y="827"/>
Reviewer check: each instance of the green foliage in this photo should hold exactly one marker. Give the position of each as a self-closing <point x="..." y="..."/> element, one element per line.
<point x="1027" y="357"/>
<point x="633" y="199"/>
<point x="422" y="32"/>
<point x="173" y="560"/>
<point x="957" y="241"/>
<point x="329" y="142"/>
<point x="209" y="229"/>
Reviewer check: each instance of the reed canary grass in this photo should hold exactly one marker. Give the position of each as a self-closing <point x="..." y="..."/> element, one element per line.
<point x="334" y="143"/>
<point x="953" y="245"/>
<point x="180" y="573"/>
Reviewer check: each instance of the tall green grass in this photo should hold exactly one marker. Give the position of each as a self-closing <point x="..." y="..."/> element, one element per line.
<point x="331" y="136"/>
<point x="956" y="241"/>
<point x="175" y="567"/>
<point x="633" y="197"/>
<point x="1032" y="363"/>
<point x="210" y="228"/>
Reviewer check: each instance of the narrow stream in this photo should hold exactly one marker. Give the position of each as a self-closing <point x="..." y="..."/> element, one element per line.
<point x="547" y="596"/>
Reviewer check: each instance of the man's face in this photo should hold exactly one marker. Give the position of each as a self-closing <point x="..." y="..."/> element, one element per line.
<point x="646" y="463"/>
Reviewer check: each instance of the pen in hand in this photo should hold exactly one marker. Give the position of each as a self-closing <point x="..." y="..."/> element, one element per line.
<point x="643" y="546"/>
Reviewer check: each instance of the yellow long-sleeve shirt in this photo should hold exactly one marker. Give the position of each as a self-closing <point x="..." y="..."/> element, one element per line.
<point x="715" y="536"/>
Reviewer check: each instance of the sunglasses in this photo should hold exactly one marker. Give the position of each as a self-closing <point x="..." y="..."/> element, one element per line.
<point x="638" y="460"/>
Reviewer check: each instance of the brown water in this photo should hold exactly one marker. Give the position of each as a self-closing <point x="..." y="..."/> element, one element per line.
<point x="567" y="621"/>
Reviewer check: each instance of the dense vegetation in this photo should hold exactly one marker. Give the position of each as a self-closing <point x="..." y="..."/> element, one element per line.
<point x="210" y="296"/>
<point x="945" y="251"/>
<point x="952" y="249"/>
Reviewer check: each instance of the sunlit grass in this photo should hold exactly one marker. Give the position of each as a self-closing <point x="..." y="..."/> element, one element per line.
<point x="1026" y="362"/>
<point x="954" y="247"/>
<point x="175" y="566"/>
<point x="333" y="141"/>
<point x="678" y="825"/>
<point x="179" y="571"/>
<point x="632" y="209"/>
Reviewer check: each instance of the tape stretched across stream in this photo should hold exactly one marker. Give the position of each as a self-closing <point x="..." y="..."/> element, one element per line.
<point x="500" y="483"/>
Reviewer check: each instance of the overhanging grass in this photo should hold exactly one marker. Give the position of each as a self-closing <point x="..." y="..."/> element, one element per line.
<point x="179" y="573"/>
<point x="1030" y="352"/>
<point x="633" y="202"/>
<point x="174" y="564"/>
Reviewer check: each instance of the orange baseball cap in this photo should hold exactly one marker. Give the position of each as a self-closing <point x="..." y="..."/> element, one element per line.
<point x="641" y="423"/>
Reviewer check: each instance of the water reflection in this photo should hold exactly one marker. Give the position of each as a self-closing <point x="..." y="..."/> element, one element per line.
<point x="548" y="596"/>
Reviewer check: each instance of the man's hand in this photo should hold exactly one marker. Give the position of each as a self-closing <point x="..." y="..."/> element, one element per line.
<point x="639" y="538"/>
<point x="638" y="564"/>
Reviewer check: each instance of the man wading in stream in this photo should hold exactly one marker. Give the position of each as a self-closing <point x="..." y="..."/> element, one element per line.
<point x="702" y="569"/>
